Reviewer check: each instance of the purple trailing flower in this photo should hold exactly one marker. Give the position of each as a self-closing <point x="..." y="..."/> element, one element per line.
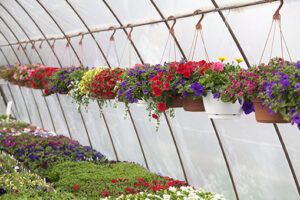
<point x="248" y="107"/>
<point x="297" y="65"/>
<point x="184" y="94"/>
<point x="144" y="82"/>
<point x="138" y="84"/>
<point x="285" y="83"/>
<point x="217" y="95"/>
<point x="293" y="110"/>
<point x="297" y="86"/>
<point x="296" y="118"/>
<point x="145" y="91"/>
<point x="280" y="101"/>
<point x="284" y="77"/>
<point x="123" y="84"/>
<point x="62" y="77"/>
<point x="198" y="88"/>
<point x="265" y="85"/>
<point x="296" y="75"/>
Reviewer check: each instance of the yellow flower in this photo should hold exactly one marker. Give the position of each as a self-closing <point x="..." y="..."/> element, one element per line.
<point x="239" y="60"/>
<point x="222" y="58"/>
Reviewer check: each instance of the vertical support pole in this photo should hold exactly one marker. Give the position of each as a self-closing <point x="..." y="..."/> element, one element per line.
<point x="287" y="157"/>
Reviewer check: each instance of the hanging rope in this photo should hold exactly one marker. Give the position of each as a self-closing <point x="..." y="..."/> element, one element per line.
<point x="198" y="29"/>
<point x="276" y="21"/>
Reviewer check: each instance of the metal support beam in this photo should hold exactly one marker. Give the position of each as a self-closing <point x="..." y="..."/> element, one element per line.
<point x="45" y="38"/>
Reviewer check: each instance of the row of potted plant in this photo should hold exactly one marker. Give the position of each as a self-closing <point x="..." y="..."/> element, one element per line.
<point x="71" y="171"/>
<point x="222" y="90"/>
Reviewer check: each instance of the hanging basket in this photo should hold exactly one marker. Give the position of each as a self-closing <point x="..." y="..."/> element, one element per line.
<point x="21" y="84"/>
<point x="263" y="115"/>
<point x="216" y="109"/>
<point x="177" y="103"/>
<point x="193" y="105"/>
<point x="3" y="82"/>
<point x="39" y="88"/>
<point x="141" y="103"/>
<point x="14" y="82"/>
<point x="109" y="97"/>
<point x="64" y="92"/>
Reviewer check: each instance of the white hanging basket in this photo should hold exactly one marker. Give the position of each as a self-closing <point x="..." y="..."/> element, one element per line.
<point x="3" y="82"/>
<point x="141" y="103"/>
<point x="216" y="109"/>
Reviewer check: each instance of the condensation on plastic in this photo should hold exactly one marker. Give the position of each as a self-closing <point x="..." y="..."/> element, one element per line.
<point x="97" y="131"/>
<point x="32" y="109"/>
<point x="257" y="160"/>
<point x="158" y="146"/>
<point x="123" y="135"/>
<point x="57" y="116"/>
<point x="19" y="103"/>
<point x="74" y="120"/>
<point x="291" y="137"/>
<point x="201" y="154"/>
<point x="43" y="110"/>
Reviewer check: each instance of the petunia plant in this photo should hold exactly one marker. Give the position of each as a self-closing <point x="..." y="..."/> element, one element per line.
<point x="60" y="81"/>
<point x="7" y="72"/>
<point x="282" y="90"/>
<point x="39" y="77"/>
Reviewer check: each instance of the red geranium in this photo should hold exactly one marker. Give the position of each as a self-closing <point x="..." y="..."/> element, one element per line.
<point x="154" y="116"/>
<point x="157" y="91"/>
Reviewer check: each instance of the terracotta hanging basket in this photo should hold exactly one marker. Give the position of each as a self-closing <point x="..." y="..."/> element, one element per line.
<point x="193" y="105"/>
<point x="177" y="103"/>
<point x="263" y="115"/>
<point x="216" y="109"/>
<point x="112" y="96"/>
<point x="21" y="84"/>
<point x="14" y="82"/>
<point x="64" y="92"/>
<point x="39" y="88"/>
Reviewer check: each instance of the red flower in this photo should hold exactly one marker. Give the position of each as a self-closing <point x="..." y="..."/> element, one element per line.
<point x="138" y="184"/>
<point x="75" y="187"/>
<point x="157" y="91"/>
<point x="46" y="91"/>
<point x="166" y="86"/>
<point x="146" y="184"/>
<point x="104" y="193"/>
<point x="186" y="73"/>
<point x="34" y="85"/>
<point x="113" y="180"/>
<point x="154" y="116"/>
<point x="161" y="107"/>
<point x="128" y="189"/>
<point x="141" y="180"/>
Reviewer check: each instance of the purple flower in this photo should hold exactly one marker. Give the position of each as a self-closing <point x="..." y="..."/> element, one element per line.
<point x="269" y="92"/>
<point x="297" y="86"/>
<point x="296" y="75"/>
<point x="293" y="110"/>
<point x="144" y="82"/>
<point x="280" y="101"/>
<point x="62" y="77"/>
<point x="285" y="83"/>
<point x="184" y="94"/>
<point x="265" y="85"/>
<point x="198" y="88"/>
<point x="296" y="119"/>
<point x="248" y="107"/>
<point x="285" y="77"/>
<point x="123" y="84"/>
<point x="299" y="126"/>
<point x="297" y="65"/>
<point x="138" y="84"/>
<point x="145" y="91"/>
<point x="69" y="81"/>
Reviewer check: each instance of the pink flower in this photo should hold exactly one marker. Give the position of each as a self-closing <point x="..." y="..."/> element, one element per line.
<point x="218" y="66"/>
<point x="240" y="94"/>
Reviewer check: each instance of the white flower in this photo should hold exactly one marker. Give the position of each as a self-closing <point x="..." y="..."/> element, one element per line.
<point x="173" y="189"/>
<point x="167" y="197"/>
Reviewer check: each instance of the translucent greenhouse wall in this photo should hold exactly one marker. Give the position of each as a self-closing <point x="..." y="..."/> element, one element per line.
<point x="241" y="158"/>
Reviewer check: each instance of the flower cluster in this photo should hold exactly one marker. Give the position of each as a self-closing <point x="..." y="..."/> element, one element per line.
<point x="7" y="72"/>
<point x="103" y="83"/>
<point x="39" y="77"/>
<point x="21" y="73"/>
<point x="184" y="193"/>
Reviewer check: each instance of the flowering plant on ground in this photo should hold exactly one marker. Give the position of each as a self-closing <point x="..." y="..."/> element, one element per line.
<point x="40" y="153"/>
<point x="60" y="81"/>
<point x="281" y="89"/>
<point x="173" y="193"/>
<point x="39" y="77"/>
<point x="187" y="77"/>
<point x="7" y="72"/>
<point x="21" y="73"/>
<point x="111" y="179"/>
